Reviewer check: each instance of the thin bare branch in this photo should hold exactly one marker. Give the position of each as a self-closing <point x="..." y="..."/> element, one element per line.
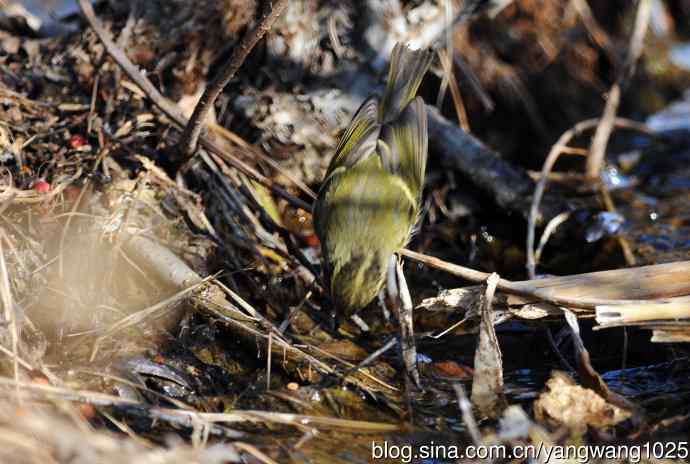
<point x="190" y="136"/>
<point x="173" y="111"/>
<point x="549" y="162"/>
<point x="597" y="149"/>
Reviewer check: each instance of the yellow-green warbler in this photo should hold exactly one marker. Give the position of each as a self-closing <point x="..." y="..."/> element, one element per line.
<point x="370" y="198"/>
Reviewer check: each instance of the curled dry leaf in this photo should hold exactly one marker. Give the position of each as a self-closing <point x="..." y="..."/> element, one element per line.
<point x="487" y="387"/>
<point x="566" y="403"/>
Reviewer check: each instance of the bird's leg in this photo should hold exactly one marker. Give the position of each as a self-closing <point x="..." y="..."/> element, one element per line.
<point x="399" y="295"/>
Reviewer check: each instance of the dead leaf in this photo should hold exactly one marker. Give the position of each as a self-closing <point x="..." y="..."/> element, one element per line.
<point x="487" y="387"/>
<point x="566" y="403"/>
<point x="451" y="370"/>
<point x="344" y="349"/>
<point x="535" y="310"/>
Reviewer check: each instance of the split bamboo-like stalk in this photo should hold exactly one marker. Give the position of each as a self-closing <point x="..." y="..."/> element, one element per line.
<point x="672" y="308"/>
<point x="637" y="283"/>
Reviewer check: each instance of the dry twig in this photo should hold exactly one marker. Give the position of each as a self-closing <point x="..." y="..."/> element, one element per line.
<point x="597" y="33"/>
<point x="590" y="377"/>
<point x="597" y="149"/>
<point x="190" y="136"/>
<point x="556" y="151"/>
<point x="172" y="110"/>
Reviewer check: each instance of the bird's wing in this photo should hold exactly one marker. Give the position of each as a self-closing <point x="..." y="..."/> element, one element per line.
<point x="359" y="140"/>
<point x="405" y="74"/>
<point x="403" y="145"/>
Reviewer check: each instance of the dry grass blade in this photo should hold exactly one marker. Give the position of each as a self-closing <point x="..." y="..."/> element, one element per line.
<point x="669" y="319"/>
<point x="403" y="309"/>
<point x="590" y="377"/>
<point x="236" y="139"/>
<point x="255" y="452"/>
<point x="177" y="417"/>
<point x="68" y="222"/>
<point x="299" y="420"/>
<point x="670" y="335"/>
<point x="139" y="317"/>
<point x="188" y="417"/>
<point x="358" y="368"/>
<point x="449" y="77"/>
<point x="20" y="361"/>
<point x="597" y="33"/>
<point x="40" y="391"/>
<point x="618" y="285"/>
<point x="289" y="351"/>
<point x="10" y="313"/>
<point x="466" y="411"/>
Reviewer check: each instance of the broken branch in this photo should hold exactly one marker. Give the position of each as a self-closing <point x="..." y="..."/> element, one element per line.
<point x="190" y="136"/>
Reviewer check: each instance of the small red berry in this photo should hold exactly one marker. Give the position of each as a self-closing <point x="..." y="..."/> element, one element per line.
<point x="42" y="186"/>
<point x="72" y="193"/>
<point x="38" y="378"/>
<point x="312" y="241"/>
<point x="76" y="141"/>
<point x="86" y="411"/>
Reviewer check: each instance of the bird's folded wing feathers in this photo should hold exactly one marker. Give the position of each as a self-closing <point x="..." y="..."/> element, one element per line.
<point x="359" y="141"/>
<point x="407" y="69"/>
<point x="403" y="145"/>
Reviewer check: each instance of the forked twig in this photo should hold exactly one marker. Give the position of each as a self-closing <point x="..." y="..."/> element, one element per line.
<point x="556" y="151"/>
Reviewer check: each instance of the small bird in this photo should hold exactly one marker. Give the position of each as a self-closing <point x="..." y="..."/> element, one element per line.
<point x="369" y="200"/>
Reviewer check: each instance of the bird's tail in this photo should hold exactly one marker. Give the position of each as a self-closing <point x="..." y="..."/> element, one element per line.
<point x="407" y="68"/>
